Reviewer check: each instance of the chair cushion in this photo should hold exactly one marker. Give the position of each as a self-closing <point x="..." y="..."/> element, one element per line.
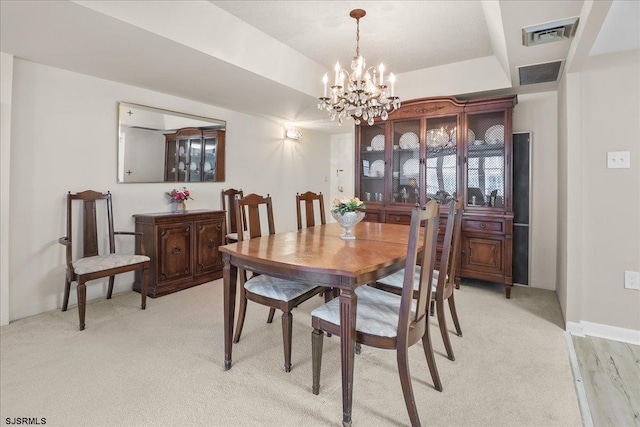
<point x="105" y="262"/>
<point x="377" y="314"/>
<point x="232" y="237"/>
<point x="396" y="279"/>
<point x="276" y="288"/>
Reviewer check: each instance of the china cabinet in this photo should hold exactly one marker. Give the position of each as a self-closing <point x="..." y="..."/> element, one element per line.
<point x="183" y="247"/>
<point x="438" y="148"/>
<point x="194" y="155"/>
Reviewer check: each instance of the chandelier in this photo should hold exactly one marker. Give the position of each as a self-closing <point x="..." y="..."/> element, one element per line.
<point x="361" y="94"/>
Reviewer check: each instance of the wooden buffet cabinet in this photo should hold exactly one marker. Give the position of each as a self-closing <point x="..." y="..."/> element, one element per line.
<point x="183" y="247"/>
<point x="437" y="148"/>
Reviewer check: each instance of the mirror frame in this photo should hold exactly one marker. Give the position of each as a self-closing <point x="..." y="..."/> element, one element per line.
<point x="190" y="147"/>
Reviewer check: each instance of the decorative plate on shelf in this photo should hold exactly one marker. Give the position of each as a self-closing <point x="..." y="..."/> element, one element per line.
<point x="409" y="141"/>
<point x="377" y="143"/>
<point x="411" y="167"/>
<point x="181" y="166"/>
<point x="193" y="166"/>
<point x="207" y="166"/>
<point x="437" y="138"/>
<point x="377" y="168"/>
<point x="495" y="135"/>
<point x="471" y="136"/>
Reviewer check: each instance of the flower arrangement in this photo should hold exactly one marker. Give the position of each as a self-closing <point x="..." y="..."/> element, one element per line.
<point x="349" y="204"/>
<point x="179" y="195"/>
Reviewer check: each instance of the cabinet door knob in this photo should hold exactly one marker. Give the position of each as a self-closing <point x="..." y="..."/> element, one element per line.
<point x="176" y="250"/>
<point x="397" y="219"/>
<point x="210" y="244"/>
<point x="483" y="225"/>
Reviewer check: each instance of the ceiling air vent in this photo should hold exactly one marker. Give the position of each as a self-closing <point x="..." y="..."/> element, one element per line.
<point x="539" y="73"/>
<point x="549" y="32"/>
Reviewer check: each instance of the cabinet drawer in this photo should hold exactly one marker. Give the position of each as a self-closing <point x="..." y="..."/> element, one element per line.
<point x="372" y="217"/>
<point x="395" y="218"/>
<point x="481" y="225"/>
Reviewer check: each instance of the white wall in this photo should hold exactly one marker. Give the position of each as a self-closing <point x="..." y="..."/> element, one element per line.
<point x="6" y="77"/>
<point x="610" y="91"/>
<point x="599" y="208"/>
<point x="537" y="113"/>
<point x="64" y="138"/>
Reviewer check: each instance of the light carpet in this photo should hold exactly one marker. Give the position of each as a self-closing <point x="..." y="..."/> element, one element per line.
<point x="164" y="367"/>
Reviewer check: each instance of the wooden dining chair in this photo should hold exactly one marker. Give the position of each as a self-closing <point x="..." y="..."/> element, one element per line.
<point x="307" y="200"/>
<point x="390" y="321"/>
<point x="228" y="205"/>
<point x="273" y="292"/>
<point x="91" y="265"/>
<point x="444" y="278"/>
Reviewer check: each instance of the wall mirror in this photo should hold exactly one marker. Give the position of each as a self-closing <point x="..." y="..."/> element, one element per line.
<point x="156" y="145"/>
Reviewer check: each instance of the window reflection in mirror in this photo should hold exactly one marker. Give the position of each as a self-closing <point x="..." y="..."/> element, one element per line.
<point x="156" y="145"/>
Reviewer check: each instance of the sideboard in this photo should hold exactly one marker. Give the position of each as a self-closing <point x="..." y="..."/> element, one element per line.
<point x="183" y="247"/>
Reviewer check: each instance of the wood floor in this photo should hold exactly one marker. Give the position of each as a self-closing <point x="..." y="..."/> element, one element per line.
<point x="610" y="373"/>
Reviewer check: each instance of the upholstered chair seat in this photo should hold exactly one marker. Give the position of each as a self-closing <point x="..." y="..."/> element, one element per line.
<point x="277" y="288"/>
<point x="397" y="278"/>
<point x="378" y="312"/>
<point x="106" y="262"/>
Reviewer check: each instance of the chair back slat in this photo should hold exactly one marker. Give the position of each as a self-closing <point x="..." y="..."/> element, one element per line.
<point x="90" y="245"/>
<point x="429" y="215"/>
<point x="450" y="249"/>
<point x="248" y="209"/>
<point x="308" y="199"/>
<point x="228" y="204"/>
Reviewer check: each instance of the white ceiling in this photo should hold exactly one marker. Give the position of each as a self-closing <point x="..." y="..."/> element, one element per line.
<point x="268" y="57"/>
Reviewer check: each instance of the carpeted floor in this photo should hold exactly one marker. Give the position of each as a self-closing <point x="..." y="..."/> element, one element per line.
<point x="164" y="367"/>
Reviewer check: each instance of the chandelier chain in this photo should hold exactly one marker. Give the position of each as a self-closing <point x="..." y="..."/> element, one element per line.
<point x="357" y="36"/>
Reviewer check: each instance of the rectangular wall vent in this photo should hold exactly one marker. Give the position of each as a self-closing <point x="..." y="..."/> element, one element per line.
<point x="539" y="73"/>
<point x="549" y="32"/>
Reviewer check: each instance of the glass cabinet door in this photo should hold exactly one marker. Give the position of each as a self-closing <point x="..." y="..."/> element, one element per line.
<point x="486" y="160"/>
<point x="195" y="160"/>
<point x="405" y="167"/>
<point x="372" y="149"/>
<point x="441" y="175"/>
<point x="210" y="151"/>
<point x="183" y="159"/>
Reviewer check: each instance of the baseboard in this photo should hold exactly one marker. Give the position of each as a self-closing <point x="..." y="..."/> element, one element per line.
<point x="630" y="336"/>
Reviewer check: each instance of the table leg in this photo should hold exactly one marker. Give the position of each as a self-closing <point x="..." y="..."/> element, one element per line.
<point x="229" y="276"/>
<point x="348" y="306"/>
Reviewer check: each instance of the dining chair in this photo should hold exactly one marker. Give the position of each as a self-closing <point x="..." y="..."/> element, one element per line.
<point x="228" y="197"/>
<point x="273" y="292"/>
<point x="307" y="199"/>
<point x="443" y="279"/>
<point x="390" y="321"/>
<point x="91" y="265"/>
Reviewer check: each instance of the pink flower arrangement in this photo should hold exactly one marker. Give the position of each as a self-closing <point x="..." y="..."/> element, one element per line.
<point x="179" y="195"/>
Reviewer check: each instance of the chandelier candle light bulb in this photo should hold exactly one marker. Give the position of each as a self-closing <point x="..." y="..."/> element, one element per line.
<point x="355" y="98"/>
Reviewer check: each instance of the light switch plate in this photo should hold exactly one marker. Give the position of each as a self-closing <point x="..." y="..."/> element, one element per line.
<point x="618" y="159"/>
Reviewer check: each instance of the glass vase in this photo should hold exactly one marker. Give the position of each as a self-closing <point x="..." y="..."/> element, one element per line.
<point x="347" y="221"/>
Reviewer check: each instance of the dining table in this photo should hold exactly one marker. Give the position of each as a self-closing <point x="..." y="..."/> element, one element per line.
<point x="318" y="255"/>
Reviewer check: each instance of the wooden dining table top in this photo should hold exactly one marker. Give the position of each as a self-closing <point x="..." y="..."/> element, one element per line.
<point x="320" y="249"/>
